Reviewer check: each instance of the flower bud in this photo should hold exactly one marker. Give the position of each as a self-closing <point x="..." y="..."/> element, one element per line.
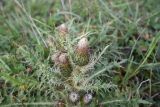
<point x="62" y="61"/>
<point x="83" y="45"/>
<point x="87" y="99"/>
<point x="60" y="103"/>
<point x="62" y="29"/>
<point x="29" y="69"/>
<point x="74" y="97"/>
<point x="82" y="52"/>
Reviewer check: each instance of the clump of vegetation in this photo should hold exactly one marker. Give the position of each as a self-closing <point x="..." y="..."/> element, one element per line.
<point x="79" y="53"/>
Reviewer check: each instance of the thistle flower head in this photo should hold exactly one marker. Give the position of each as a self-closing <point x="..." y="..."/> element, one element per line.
<point x="62" y="29"/>
<point x="83" y="45"/>
<point x="62" y="61"/>
<point x="63" y="58"/>
<point x="60" y="103"/>
<point x="55" y="57"/>
<point x="74" y="97"/>
<point x="81" y="57"/>
<point x="60" y="58"/>
<point x="87" y="98"/>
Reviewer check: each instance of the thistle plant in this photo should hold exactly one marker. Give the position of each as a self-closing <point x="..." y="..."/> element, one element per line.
<point x="67" y="74"/>
<point x="77" y="63"/>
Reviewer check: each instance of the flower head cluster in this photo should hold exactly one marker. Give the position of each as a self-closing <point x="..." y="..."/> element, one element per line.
<point x="62" y="61"/>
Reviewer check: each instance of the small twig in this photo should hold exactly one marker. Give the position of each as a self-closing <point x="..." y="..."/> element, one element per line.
<point x="142" y="83"/>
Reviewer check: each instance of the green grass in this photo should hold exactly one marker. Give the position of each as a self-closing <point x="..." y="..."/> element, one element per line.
<point x="123" y="69"/>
